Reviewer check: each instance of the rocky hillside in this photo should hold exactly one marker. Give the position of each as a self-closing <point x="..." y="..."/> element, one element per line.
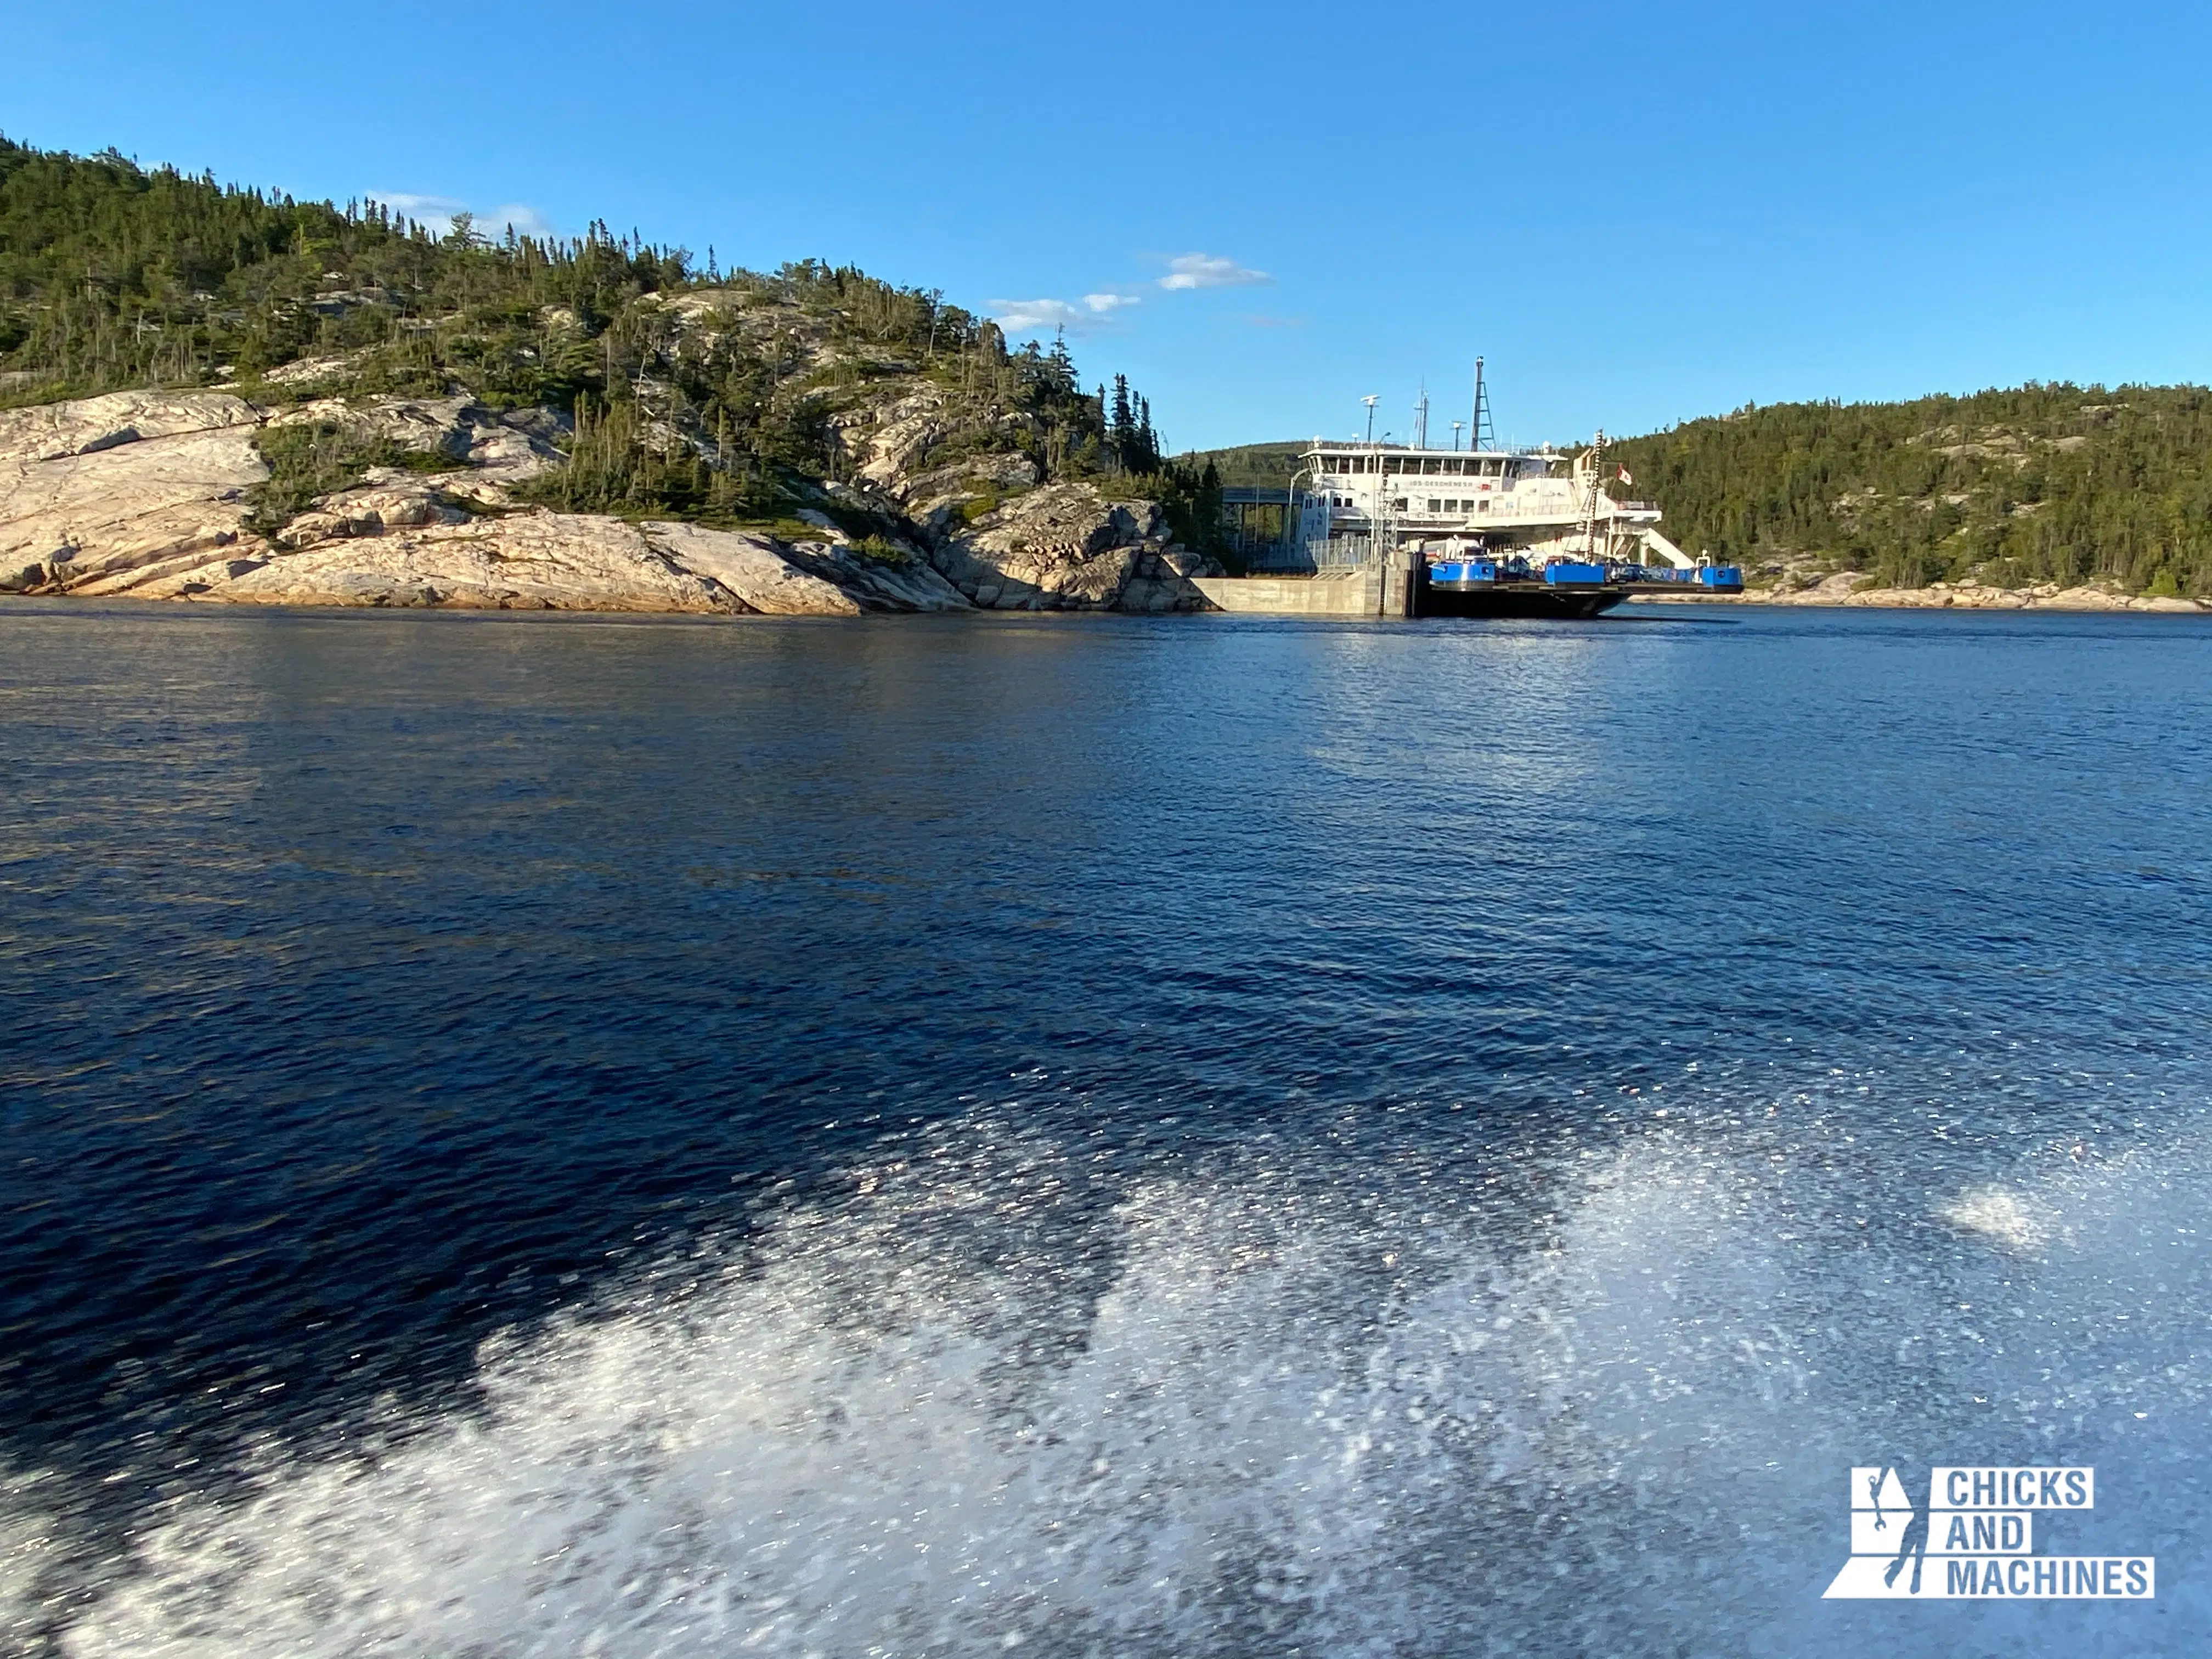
<point x="169" y="495"/>
<point x="267" y="402"/>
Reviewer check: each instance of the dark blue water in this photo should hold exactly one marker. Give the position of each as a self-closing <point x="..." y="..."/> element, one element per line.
<point x="1104" y="1136"/>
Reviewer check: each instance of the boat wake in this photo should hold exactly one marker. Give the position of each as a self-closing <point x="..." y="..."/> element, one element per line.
<point x="984" y="1398"/>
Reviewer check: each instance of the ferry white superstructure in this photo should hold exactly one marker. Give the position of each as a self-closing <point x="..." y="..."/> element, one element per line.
<point x="1355" y="499"/>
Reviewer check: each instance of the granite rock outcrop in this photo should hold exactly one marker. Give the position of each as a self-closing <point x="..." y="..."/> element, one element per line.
<point x="93" y="490"/>
<point x="150" y="494"/>
<point x="1069" y="546"/>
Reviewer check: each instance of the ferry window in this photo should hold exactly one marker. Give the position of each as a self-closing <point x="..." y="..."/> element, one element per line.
<point x="1435" y="505"/>
<point x="1455" y="468"/>
<point x="1397" y="505"/>
<point x="1482" y="506"/>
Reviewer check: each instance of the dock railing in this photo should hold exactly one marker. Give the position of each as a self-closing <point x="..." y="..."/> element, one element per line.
<point x="1330" y="556"/>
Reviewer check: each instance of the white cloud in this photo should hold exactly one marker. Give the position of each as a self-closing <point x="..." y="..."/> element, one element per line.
<point x="435" y="214"/>
<point x="1209" y="270"/>
<point x="1043" y="316"/>
<point x="1034" y="316"/>
<point x="527" y="221"/>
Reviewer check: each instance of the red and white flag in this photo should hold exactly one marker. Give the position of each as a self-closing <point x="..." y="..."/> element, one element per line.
<point x="1625" y="478"/>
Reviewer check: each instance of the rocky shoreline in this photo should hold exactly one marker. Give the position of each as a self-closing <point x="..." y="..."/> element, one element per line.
<point x="1843" y="589"/>
<point x="149" y="495"/>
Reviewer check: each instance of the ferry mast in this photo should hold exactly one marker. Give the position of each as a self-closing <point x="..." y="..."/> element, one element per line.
<point x="1590" y="493"/>
<point x="1482" y="435"/>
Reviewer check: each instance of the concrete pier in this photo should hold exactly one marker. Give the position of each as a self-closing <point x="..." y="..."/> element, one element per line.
<point x="1391" y="588"/>
<point x="1359" y="593"/>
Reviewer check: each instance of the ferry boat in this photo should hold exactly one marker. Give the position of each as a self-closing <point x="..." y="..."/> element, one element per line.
<point x="1492" y="532"/>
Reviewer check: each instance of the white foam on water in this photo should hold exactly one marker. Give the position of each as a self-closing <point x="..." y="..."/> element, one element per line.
<point x="27" y="1535"/>
<point x="955" y="1410"/>
<point x="1997" y="1214"/>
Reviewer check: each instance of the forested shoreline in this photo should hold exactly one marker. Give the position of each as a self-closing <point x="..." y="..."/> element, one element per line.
<point x="2039" y="483"/>
<point x="114" y="275"/>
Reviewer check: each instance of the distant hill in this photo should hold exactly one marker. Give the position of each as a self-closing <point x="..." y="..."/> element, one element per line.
<point x="1250" y="466"/>
<point x="2042" y="482"/>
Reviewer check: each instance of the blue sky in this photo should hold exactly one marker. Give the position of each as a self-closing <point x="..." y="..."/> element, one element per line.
<point x="1637" y="214"/>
